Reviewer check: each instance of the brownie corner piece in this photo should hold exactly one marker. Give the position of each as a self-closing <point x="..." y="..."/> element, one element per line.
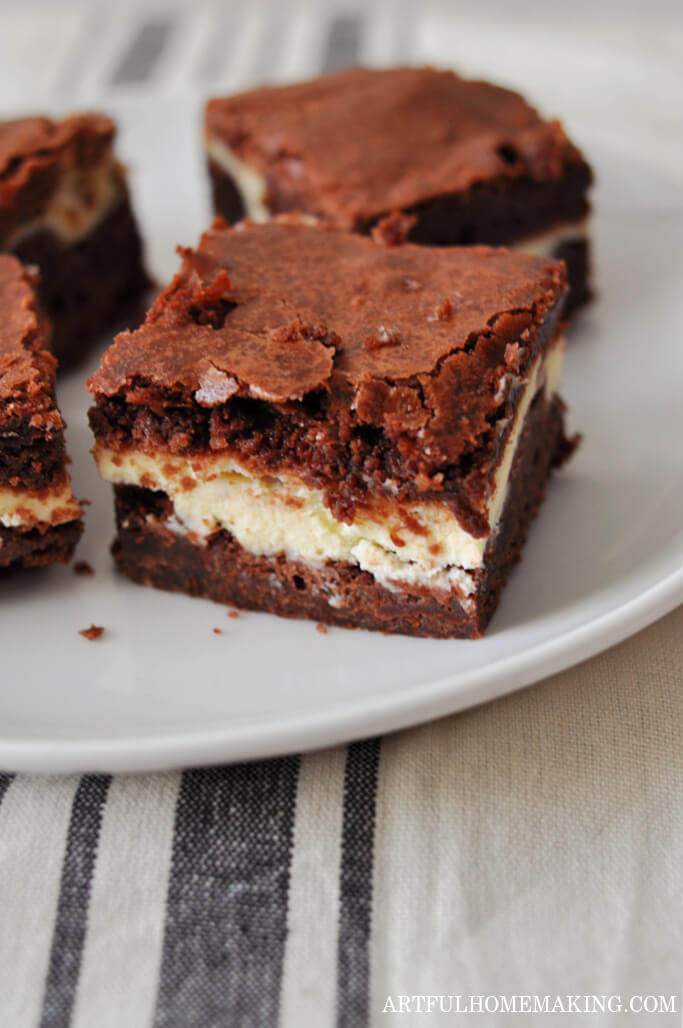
<point x="317" y="425"/>
<point x="40" y="521"/>
<point x="65" y="207"/>
<point x="470" y="161"/>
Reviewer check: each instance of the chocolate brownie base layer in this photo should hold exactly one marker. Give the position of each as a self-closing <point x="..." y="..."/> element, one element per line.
<point x="88" y="286"/>
<point x="338" y="593"/>
<point x="36" y="548"/>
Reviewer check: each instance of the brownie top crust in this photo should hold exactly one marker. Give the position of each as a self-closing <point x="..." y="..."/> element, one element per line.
<point x="36" y="153"/>
<point x="323" y="349"/>
<point x="409" y="135"/>
<point x="27" y="370"/>
<point x="274" y="311"/>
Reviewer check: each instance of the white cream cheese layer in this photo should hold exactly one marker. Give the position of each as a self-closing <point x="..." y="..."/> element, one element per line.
<point x="83" y="197"/>
<point x="280" y="514"/>
<point x="21" y="508"/>
<point x="251" y="186"/>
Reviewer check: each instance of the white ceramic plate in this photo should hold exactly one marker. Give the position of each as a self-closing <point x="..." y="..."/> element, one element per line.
<point x="604" y="559"/>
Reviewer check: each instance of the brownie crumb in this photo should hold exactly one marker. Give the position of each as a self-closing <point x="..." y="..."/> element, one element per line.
<point x="233" y="614"/>
<point x="81" y="567"/>
<point x="393" y="229"/>
<point x="514" y="355"/>
<point x="92" y="633"/>
<point x="383" y="337"/>
<point x="443" y="312"/>
<point x="321" y="629"/>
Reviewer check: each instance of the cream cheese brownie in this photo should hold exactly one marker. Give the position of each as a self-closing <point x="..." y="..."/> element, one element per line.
<point x="472" y="162"/>
<point x="64" y="206"/>
<point x="40" y="521"/>
<point x="313" y="423"/>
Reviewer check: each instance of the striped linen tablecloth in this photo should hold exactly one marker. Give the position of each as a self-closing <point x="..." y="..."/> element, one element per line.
<point x="480" y="870"/>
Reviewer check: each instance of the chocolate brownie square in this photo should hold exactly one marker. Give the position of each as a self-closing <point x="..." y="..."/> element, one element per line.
<point x="40" y="521"/>
<point x="473" y="163"/>
<point x="313" y="423"/>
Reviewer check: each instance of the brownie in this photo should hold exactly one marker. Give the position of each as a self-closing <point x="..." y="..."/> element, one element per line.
<point x="65" y="207"/>
<point x="322" y="425"/>
<point x="472" y="162"/>
<point x="40" y="521"/>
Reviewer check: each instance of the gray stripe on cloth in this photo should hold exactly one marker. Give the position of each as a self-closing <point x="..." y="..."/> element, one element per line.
<point x="226" y="909"/>
<point x="143" y="53"/>
<point x="343" y="42"/>
<point x="72" y="906"/>
<point x="355" y="894"/>
<point x="34" y="824"/>
<point x="117" y="986"/>
<point x="5" y="782"/>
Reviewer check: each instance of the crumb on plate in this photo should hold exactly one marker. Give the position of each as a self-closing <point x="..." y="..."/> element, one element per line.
<point x="92" y="633"/>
